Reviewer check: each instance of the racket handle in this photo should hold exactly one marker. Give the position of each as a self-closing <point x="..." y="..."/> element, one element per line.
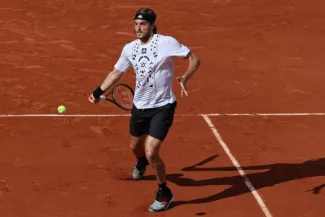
<point x="102" y="97"/>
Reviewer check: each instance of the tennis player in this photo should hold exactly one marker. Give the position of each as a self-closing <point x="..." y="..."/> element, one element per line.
<point x="151" y="56"/>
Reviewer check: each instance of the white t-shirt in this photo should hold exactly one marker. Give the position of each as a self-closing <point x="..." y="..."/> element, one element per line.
<point x="154" y="67"/>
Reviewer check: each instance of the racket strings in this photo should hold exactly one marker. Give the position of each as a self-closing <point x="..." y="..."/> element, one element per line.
<point x="123" y="96"/>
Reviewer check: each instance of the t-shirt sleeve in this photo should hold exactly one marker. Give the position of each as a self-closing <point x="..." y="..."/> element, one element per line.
<point x="123" y="63"/>
<point x="176" y="48"/>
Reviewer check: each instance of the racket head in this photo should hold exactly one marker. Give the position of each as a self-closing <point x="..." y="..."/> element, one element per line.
<point x="122" y="95"/>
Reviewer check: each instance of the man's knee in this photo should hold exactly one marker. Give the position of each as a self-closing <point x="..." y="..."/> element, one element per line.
<point x="152" y="156"/>
<point x="152" y="150"/>
<point x="136" y="143"/>
<point x="133" y="144"/>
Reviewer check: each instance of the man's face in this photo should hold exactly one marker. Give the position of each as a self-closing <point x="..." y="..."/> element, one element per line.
<point x="142" y="28"/>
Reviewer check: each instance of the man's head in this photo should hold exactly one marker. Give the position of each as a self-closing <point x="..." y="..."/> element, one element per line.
<point x="144" y="23"/>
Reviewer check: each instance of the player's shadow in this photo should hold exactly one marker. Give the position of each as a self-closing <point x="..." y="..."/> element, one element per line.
<point x="271" y="174"/>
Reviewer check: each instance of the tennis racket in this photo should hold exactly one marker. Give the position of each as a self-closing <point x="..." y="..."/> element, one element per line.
<point x="121" y="95"/>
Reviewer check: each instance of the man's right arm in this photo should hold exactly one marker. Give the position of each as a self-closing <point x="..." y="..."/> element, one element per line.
<point x="109" y="81"/>
<point x="120" y="68"/>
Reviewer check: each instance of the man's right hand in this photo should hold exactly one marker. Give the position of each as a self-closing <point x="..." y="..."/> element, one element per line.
<point x="92" y="99"/>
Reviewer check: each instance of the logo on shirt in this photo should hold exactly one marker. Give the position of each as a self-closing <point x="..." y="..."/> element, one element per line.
<point x="144" y="50"/>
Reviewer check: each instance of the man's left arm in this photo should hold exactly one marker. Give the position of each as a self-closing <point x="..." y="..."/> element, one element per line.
<point x="193" y="65"/>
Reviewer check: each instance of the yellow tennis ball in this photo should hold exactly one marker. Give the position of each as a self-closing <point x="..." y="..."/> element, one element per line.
<point x="62" y="109"/>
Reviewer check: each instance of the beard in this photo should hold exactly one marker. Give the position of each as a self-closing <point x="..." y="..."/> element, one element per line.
<point x="142" y="35"/>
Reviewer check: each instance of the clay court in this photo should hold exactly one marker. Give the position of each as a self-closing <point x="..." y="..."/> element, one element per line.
<point x="248" y="141"/>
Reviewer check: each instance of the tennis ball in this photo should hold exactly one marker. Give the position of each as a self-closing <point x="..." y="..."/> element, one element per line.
<point x="62" y="109"/>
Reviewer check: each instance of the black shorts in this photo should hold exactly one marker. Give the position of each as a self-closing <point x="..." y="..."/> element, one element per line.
<point x="154" y="121"/>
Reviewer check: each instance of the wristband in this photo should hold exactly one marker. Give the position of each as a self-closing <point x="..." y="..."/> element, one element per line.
<point x="98" y="92"/>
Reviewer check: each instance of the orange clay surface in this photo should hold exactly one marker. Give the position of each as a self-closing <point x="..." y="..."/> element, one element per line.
<point x="257" y="56"/>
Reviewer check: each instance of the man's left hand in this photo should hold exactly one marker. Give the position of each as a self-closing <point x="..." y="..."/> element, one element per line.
<point x="182" y="81"/>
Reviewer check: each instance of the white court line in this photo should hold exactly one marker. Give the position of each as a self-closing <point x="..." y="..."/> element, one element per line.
<point x="179" y="115"/>
<point x="80" y="115"/>
<point x="238" y="167"/>
<point x="265" y="114"/>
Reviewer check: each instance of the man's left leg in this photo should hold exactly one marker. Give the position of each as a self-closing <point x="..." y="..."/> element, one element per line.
<point x="159" y="126"/>
<point x="164" y="195"/>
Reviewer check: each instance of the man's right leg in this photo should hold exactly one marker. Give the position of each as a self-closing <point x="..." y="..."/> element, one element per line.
<point x="139" y="128"/>
<point x="137" y="146"/>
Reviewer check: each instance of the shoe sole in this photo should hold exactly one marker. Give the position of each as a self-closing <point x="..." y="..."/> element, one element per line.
<point x="171" y="200"/>
<point x="138" y="178"/>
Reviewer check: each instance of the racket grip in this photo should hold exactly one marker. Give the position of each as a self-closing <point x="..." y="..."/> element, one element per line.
<point x="102" y="97"/>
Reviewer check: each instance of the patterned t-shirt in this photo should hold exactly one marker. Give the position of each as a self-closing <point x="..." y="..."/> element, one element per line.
<point x="154" y="67"/>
